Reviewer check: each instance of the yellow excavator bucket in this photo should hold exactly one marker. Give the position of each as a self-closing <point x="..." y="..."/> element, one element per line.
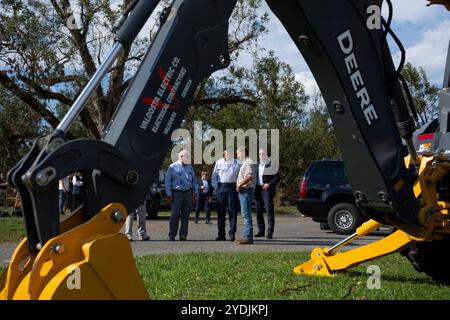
<point x="90" y="261"/>
<point x="328" y="261"/>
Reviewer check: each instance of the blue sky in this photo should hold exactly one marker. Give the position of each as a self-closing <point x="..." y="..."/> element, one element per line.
<point x="424" y="32"/>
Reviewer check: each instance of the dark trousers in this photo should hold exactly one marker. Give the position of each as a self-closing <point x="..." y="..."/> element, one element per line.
<point x="181" y="209"/>
<point x="264" y="199"/>
<point x="202" y="203"/>
<point x="77" y="200"/>
<point x="227" y="198"/>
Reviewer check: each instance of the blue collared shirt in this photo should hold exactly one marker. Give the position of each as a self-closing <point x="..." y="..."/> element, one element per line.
<point x="180" y="177"/>
<point x="262" y="166"/>
<point x="225" y="171"/>
<point x="205" y="183"/>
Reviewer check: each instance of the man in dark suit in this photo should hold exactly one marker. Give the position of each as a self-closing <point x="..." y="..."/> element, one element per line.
<point x="204" y="197"/>
<point x="264" y="193"/>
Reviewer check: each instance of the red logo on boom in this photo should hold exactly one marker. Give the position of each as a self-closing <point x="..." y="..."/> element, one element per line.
<point x="160" y="104"/>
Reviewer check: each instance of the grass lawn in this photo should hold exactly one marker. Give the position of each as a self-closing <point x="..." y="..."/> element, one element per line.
<point x="268" y="276"/>
<point x="258" y="276"/>
<point x="11" y="229"/>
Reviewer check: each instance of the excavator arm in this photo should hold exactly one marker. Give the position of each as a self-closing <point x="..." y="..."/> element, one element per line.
<point x="353" y="68"/>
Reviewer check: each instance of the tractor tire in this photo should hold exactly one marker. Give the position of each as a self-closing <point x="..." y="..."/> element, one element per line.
<point x="431" y="258"/>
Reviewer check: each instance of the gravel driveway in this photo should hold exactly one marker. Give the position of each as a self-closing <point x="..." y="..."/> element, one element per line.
<point x="293" y="232"/>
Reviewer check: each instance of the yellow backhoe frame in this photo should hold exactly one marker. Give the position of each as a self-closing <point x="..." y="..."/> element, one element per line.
<point x="433" y="215"/>
<point x="89" y="261"/>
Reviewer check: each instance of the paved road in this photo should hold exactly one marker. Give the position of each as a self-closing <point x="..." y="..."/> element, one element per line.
<point x="292" y="233"/>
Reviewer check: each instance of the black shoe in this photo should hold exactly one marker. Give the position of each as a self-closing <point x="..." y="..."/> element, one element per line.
<point x="196" y="221"/>
<point x="259" y="235"/>
<point x="208" y="222"/>
<point x="220" y="239"/>
<point x="131" y="239"/>
<point x="269" y="236"/>
<point x="243" y="241"/>
<point x="232" y="239"/>
<point x="182" y="238"/>
<point x="145" y="239"/>
<point x="172" y="238"/>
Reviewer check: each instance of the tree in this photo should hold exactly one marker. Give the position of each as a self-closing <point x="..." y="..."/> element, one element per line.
<point x="424" y="94"/>
<point x="18" y="126"/>
<point x="47" y="57"/>
<point x="270" y="98"/>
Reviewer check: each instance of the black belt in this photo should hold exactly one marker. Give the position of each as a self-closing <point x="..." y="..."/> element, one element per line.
<point x="228" y="184"/>
<point x="182" y="191"/>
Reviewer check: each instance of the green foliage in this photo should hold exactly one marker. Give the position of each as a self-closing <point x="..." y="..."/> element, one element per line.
<point x="271" y="98"/>
<point x="424" y="94"/>
<point x="18" y="127"/>
<point x="46" y="63"/>
<point x="49" y="50"/>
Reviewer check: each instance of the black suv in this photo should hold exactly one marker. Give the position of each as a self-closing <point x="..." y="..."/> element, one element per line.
<point x="326" y="196"/>
<point x="155" y="198"/>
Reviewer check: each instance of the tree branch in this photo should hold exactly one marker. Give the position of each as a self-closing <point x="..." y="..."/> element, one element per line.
<point x="43" y="93"/>
<point x="89" y="65"/>
<point x="33" y="103"/>
<point x="235" y="45"/>
<point x="224" y="101"/>
<point x="87" y="121"/>
<point x="61" y="79"/>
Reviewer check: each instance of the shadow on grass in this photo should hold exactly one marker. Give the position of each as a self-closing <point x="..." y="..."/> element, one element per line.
<point x="280" y="242"/>
<point x="273" y="242"/>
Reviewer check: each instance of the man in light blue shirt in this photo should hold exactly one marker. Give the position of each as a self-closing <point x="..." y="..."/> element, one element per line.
<point x="180" y="183"/>
<point x="224" y="182"/>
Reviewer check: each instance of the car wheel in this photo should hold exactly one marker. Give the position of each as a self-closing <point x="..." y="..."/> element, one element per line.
<point x="153" y="208"/>
<point x="344" y="218"/>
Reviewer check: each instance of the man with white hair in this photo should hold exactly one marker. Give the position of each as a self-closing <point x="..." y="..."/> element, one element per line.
<point x="180" y="185"/>
<point x="223" y="180"/>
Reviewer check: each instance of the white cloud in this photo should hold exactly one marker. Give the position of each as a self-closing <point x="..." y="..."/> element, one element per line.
<point x="307" y="79"/>
<point x="430" y="51"/>
<point x="416" y="11"/>
<point x="281" y="43"/>
<point x="423" y="29"/>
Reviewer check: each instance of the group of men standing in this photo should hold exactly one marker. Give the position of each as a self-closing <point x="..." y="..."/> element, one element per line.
<point x="73" y="185"/>
<point x="237" y="182"/>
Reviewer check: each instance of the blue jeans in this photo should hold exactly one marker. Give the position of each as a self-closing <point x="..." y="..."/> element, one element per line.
<point x="62" y="201"/>
<point x="246" y="198"/>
